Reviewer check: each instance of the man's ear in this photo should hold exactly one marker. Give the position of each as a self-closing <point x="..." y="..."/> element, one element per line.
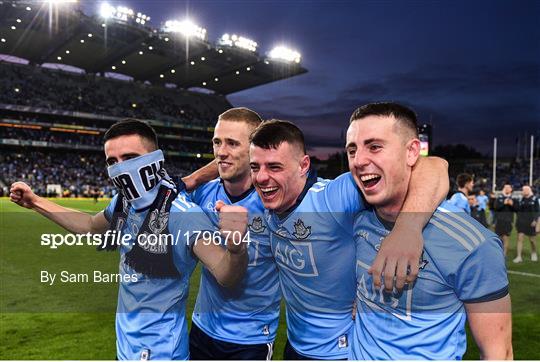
<point x="305" y="164"/>
<point x="413" y="151"/>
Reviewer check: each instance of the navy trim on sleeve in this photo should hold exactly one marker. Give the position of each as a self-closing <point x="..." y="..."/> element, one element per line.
<point x="490" y="297"/>
<point x="107" y="214"/>
<point x="180" y="185"/>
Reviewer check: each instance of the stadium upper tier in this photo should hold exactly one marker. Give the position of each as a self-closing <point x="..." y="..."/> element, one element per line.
<point x="42" y="33"/>
<point x="49" y="89"/>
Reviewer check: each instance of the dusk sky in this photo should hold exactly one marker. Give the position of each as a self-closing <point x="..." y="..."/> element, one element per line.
<point x="470" y="68"/>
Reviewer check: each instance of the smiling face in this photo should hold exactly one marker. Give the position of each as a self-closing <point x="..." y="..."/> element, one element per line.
<point x="279" y="174"/>
<point x="381" y="154"/>
<point x="123" y="148"/>
<point x="231" y="149"/>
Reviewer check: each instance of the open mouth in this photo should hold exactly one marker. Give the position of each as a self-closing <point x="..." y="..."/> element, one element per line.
<point x="369" y="181"/>
<point x="225" y="164"/>
<point x="268" y="192"/>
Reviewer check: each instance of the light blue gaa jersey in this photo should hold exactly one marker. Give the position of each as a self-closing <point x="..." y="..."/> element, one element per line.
<point x="462" y="262"/>
<point x="151" y="312"/>
<point x="482" y="202"/>
<point x="248" y="313"/>
<point x="460" y="200"/>
<point x="315" y="253"/>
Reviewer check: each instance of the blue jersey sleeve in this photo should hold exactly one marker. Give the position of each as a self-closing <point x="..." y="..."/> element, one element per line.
<point x="342" y="194"/>
<point x="188" y="220"/>
<point x="481" y="276"/>
<point x="187" y="224"/>
<point x="109" y="210"/>
<point x="459" y="200"/>
<point x="197" y="196"/>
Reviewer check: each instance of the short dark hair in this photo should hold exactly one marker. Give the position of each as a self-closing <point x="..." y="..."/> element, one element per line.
<point x="404" y="115"/>
<point x="463" y="179"/>
<point x="272" y="133"/>
<point x="130" y="126"/>
<point x="241" y="114"/>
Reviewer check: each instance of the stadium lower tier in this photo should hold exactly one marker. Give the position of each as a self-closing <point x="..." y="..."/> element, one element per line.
<point x="68" y="173"/>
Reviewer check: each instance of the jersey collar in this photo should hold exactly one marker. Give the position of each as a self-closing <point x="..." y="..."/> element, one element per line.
<point x="235" y="199"/>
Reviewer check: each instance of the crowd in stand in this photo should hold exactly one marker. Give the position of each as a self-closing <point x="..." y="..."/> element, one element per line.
<point x="74" y="139"/>
<point x="516" y="173"/>
<point x="78" y="174"/>
<point x="51" y="137"/>
<point x="58" y="90"/>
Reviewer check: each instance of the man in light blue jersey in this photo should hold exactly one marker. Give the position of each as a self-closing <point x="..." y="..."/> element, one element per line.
<point x="482" y="200"/>
<point x="460" y="199"/>
<point x="462" y="268"/>
<point x="311" y="234"/>
<point x="163" y="235"/>
<point x="236" y="323"/>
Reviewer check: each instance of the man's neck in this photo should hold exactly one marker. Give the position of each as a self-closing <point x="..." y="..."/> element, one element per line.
<point x="389" y="214"/>
<point x="390" y="211"/>
<point x="464" y="191"/>
<point x="237" y="188"/>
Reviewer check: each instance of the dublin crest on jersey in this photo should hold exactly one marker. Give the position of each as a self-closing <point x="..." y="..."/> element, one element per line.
<point x="301" y="231"/>
<point x="257" y="225"/>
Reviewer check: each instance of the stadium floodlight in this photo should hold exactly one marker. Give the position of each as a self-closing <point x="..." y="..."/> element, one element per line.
<point x="107" y="11"/>
<point x="185" y="27"/>
<point x="284" y="53"/>
<point x="57" y="2"/>
<point x="238" y="41"/>
<point x="122" y="13"/>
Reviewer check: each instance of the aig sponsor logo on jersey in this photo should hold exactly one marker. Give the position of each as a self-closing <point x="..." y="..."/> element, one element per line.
<point x="296" y="256"/>
<point x="397" y="303"/>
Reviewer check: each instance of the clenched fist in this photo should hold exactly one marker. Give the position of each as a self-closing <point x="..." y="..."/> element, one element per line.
<point x="21" y="194"/>
<point x="233" y="221"/>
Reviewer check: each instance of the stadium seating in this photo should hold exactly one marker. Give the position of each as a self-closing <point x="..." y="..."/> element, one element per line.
<point x="34" y="139"/>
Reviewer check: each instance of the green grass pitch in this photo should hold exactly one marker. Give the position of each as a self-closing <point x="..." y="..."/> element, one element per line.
<point x="76" y="321"/>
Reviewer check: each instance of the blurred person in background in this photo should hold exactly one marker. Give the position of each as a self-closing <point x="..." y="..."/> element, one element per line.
<point x="473" y="204"/>
<point x="465" y="185"/>
<point x="482" y="200"/>
<point x="504" y="206"/>
<point x="528" y="215"/>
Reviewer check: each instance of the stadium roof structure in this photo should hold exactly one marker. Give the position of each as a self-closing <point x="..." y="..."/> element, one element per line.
<point x="42" y="34"/>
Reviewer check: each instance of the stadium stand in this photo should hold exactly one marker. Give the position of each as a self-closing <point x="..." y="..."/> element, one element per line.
<point x="59" y="92"/>
<point x="516" y="172"/>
